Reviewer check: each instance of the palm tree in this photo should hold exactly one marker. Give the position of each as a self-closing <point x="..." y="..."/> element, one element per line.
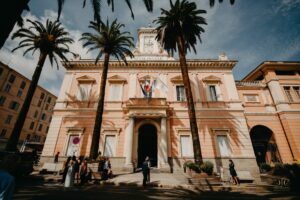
<point x="51" y="40"/>
<point x="96" y="4"/>
<point x="179" y="29"/>
<point x="212" y="2"/>
<point x="110" y="41"/>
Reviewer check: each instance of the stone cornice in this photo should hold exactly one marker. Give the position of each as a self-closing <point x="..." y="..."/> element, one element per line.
<point x="196" y="63"/>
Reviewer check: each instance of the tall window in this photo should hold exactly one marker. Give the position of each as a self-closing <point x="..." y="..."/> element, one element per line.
<point x="3" y="132"/>
<point x="115" y="92"/>
<point x="44" y="116"/>
<point x="180" y="93"/>
<point x="7" y="87"/>
<point x="186" y="146"/>
<point x="110" y="146"/>
<point x="31" y="125"/>
<point x="23" y="85"/>
<point x="14" y="105"/>
<point x="36" y="114"/>
<point x="83" y="93"/>
<point x="49" y="100"/>
<point x="223" y="145"/>
<point x="19" y="94"/>
<point x="2" y="100"/>
<point x="42" y="96"/>
<point x="8" y="119"/>
<point x="1" y="71"/>
<point x="12" y="78"/>
<point x="288" y="93"/>
<point x="40" y="127"/>
<point x="213" y="93"/>
<point x="297" y="91"/>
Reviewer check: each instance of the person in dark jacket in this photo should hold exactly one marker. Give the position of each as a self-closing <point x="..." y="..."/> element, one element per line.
<point x="233" y="173"/>
<point x="146" y="171"/>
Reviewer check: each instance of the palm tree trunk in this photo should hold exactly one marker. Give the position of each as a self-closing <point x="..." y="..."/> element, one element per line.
<point x="190" y="101"/>
<point x="14" y="137"/>
<point x="100" y="109"/>
<point x="9" y="14"/>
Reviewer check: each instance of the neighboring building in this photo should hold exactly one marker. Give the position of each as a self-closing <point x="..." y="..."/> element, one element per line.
<point x="134" y="126"/>
<point x="13" y="90"/>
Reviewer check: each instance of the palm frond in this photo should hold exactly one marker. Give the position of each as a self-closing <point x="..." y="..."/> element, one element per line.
<point x="60" y="4"/>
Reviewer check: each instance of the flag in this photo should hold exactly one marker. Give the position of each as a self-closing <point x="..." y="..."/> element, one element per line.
<point x="147" y="88"/>
<point x="160" y="85"/>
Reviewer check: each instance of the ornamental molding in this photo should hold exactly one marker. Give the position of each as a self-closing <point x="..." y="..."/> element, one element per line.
<point x="84" y="64"/>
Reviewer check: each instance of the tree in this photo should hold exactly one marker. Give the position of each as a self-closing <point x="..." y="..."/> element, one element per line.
<point x="51" y="41"/>
<point x="10" y="13"/>
<point x="179" y="28"/>
<point x="212" y="2"/>
<point x="110" y="41"/>
<point x="96" y="4"/>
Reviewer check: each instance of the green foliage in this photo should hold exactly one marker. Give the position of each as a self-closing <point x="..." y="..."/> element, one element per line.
<point x="264" y="167"/>
<point x="290" y="171"/>
<point x="194" y="167"/>
<point x="207" y="167"/>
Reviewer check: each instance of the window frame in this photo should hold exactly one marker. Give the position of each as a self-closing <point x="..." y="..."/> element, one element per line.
<point x="222" y="132"/>
<point x="177" y="86"/>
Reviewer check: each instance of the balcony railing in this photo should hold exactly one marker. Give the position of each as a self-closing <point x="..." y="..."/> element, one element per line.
<point x="250" y="83"/>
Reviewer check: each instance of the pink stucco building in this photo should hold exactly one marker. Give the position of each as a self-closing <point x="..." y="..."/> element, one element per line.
<point x="247" y="121"/>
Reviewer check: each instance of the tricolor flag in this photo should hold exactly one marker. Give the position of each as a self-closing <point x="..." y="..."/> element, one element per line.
<point x="147" y="88"/>
<point x="160" y="85"/>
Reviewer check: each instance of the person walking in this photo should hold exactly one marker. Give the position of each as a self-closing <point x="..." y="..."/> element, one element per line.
<point x="146" y="171"/>
<point x="69" y="182"/>
<point x="7" y="180"/>
<point x="233" y="173"/>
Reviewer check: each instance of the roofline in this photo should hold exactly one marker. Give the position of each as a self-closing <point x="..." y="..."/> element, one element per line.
<point x="1" y="63"/>
<point x="268" y="62"/>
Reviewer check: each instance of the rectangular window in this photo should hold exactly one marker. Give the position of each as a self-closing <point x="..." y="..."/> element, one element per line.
<point x="19" y="94"/>
<point x="213" y="93"/>
<point x="84" y="92"/>
<point x="23" y="85"/>
<point x="49" y="100"/>
<point x="36" y="114"/>
<point x="1" y="71"/>
<point x="8" y="119"/>
<point x="251" y="97"/>
<point x="40" y="127"/>
<point x="31" y="125"/>
<point x="297" y="91"/>
<point x="40" y="103"/>
<point x="47" y="129"/>
<point x="12" y="78"/>
<point x="288" y="94"/>
<point x="186" y="146"/>
<point x="7" y="87"/>
<point x="110" y="146"/>
<point x="42" y="96"/>
<point x="115" y="92"/>
<point x="50" y="118"/>
<point x="180" y="93"/>
<point x="223" y="145"/>
<point x="47" y="106"/>
<point x="3" y="132"/>
<point x="44" y="116"/>
<point x="2" y="100"/>
<point x="14" y="105"/>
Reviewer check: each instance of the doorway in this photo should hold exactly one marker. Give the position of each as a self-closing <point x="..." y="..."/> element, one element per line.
<point x="264" y="145"/>
<point x="147" y="144"/>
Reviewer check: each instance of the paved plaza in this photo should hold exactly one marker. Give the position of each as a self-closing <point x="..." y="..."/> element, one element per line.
<point x="129" y="186"/>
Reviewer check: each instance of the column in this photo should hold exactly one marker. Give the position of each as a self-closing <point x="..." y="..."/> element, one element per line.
<point x="163" y="142"/>
<point x="277" y="94"/>
<point x="128" y="143"/>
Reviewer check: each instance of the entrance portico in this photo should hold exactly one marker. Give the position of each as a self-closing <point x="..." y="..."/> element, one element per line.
<point x="146" y="121"/>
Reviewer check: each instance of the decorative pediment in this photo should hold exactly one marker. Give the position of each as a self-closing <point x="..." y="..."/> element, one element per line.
<point x="176" y="79"/>
<point x="211" y="78"/>
<point x="147" y="77"/>
<point x="117" y="79"/>
<point x="85" y="78"/>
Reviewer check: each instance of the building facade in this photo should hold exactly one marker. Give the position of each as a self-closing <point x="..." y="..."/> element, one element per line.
<point x="13" y="90"/>
<point x="146" y="112"/>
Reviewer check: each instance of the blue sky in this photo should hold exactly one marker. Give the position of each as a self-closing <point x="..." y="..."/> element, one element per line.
<point x="249" y="31"/>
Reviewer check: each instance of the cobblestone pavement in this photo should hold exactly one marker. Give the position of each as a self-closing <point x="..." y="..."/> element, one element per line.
<point x="128" y="186"/>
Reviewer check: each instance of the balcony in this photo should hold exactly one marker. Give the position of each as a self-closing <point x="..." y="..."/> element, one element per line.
<point x="146" y="102"/>
<point x="250" y="84"/>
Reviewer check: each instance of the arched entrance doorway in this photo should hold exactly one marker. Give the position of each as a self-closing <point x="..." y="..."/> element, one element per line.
<point x="147" y="144"/>
<point x="264" y="145"/>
